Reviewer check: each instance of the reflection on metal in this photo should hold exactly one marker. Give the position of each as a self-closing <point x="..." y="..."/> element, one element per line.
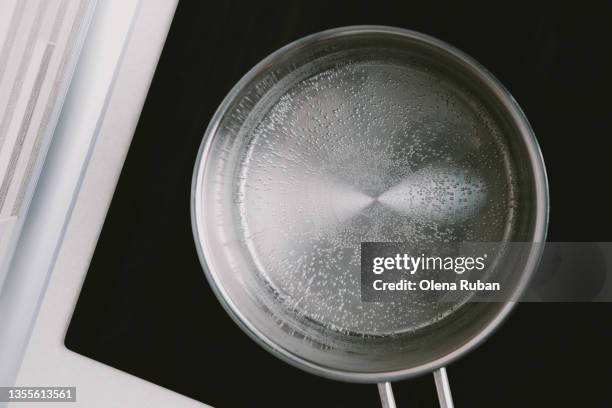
<point x="386" y="395"/>
<point x="443" y="388"/>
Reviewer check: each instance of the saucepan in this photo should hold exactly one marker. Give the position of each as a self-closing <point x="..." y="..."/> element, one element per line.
<point x="351" y="135"/>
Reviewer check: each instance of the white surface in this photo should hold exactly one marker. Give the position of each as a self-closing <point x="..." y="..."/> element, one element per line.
<point x="39" y="46"/>
<point x="42" y="232"/>
<point x="46" y="360"/>
<point x="6" y="229"/>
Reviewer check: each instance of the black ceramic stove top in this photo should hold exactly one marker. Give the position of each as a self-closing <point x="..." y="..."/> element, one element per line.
<point x="146" y="308"/>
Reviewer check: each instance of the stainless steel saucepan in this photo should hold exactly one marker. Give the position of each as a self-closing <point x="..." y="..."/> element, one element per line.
<point x="361" y="134"/>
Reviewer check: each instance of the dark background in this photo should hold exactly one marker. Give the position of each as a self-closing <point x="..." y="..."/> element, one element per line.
<point x="146" y="308"/>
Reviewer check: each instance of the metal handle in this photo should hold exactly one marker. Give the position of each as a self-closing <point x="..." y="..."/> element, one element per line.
<point x="443" y="388"/>
<point x="386" y="395"/>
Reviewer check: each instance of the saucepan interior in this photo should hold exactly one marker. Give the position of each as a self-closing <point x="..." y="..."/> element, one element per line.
<point x="361" y="134"/>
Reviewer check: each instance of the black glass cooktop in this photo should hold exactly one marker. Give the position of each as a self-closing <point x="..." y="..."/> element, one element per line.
<point x="146" y="308"/>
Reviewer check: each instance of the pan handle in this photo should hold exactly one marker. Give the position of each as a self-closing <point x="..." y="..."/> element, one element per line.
<point x="443" y="388"/>
<point x="386" y="395"/>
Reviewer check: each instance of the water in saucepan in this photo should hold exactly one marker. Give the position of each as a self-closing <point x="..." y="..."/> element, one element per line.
<point x="367" y="151"/>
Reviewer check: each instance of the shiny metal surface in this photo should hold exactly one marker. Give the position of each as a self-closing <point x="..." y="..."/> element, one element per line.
<point x="443" y="389"/>
<point x="386" y="395"/>
<point x="352" y="135"/>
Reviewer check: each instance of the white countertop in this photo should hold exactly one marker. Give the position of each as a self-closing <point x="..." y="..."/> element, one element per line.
<point x="95" y="130"/>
